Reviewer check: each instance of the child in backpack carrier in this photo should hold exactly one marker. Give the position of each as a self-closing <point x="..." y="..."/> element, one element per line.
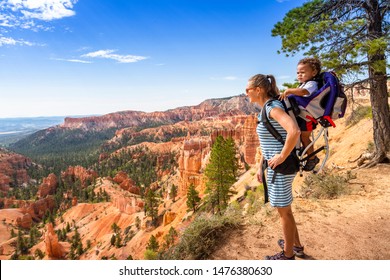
<point x="308" y="70"/>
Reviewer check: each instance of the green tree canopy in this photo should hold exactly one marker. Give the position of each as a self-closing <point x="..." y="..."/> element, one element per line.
<point x="352" y="38"/>
<point x="193" y="198"/>
<point x="221" y="173"/>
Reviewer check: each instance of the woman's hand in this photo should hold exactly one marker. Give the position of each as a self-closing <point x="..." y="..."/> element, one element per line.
<point x="276" y="160"/>
<point x="260" y="175"/>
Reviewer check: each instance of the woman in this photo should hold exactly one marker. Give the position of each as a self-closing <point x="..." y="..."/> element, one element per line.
<point x="260" y="89"/>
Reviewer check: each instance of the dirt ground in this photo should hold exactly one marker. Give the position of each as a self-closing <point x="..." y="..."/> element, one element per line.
<point x="352" y="227"/>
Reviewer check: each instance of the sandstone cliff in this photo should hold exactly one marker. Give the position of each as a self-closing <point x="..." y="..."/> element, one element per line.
<point x="13" y="170"/>
<point x="229" y="106"/>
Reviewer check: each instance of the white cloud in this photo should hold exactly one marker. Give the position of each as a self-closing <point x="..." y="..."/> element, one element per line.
<point x="22" y="13"/>
<point x="230" y="78"/>
<point x="226" y="78"/>
<point x="109" y="54"/>
<point x="73" y="60"/>
<point x="12" y="42"/>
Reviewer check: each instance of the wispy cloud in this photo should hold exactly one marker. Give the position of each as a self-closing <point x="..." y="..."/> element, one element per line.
<point x="73" y="60"/>
<point x="109" y="54"/>
<point x="4" y="41"/>
<point x="226" y="78"/>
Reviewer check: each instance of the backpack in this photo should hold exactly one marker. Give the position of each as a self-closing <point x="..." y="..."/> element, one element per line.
<point x="328" y="103"/>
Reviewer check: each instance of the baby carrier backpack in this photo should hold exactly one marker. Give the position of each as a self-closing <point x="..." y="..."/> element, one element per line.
<point x="324" y="106"/>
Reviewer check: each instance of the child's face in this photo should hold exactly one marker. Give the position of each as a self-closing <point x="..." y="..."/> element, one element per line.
<point x="305" y="73"/>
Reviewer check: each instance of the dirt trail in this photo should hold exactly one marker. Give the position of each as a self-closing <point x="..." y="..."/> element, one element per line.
<point x="354" y="226"/>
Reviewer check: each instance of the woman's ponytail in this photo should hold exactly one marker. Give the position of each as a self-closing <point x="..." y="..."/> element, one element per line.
<point x="268" y="82"/>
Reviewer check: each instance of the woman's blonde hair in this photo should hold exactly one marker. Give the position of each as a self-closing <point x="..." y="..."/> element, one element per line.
<point x="267" y="82"/>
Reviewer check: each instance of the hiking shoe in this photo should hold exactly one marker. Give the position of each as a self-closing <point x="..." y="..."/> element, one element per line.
<point x="279" y="257"/>
<point x="311" y="163"/>
<point x="298" y="251"/>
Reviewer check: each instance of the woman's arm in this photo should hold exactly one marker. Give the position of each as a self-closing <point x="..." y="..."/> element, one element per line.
<point x="293" y="133"/>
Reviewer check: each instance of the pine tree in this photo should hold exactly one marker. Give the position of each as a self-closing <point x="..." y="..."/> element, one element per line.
<point x="193" y="198"/>
<point x="221" y="173"/>
<point x="137" y="222"/>
<point x="152" y="244"/>
<point x="170" y="237"/>
<point x="173" y="192"/>
<point x="151" y="206"/>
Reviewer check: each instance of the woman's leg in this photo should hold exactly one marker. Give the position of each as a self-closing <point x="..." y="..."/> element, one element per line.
<point x="290" y="231"/>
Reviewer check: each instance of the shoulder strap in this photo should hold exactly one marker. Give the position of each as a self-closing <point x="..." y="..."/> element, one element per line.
<point x="266" y="122"/>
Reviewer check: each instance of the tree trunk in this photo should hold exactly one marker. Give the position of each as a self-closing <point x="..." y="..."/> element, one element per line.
<point x="378" y="88"/>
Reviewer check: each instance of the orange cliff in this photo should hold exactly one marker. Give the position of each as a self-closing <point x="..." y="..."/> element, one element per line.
<point x="13" y="169"/>
<point x="195" y="150"/>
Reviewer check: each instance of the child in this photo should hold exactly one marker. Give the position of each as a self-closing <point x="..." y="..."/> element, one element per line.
<point x="307" y="71"/>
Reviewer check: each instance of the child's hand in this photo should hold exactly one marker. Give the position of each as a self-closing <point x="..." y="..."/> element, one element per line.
<point x="284" y="94"/>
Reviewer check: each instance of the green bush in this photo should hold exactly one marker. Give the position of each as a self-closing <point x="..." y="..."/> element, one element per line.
<point x="150" y="255"/>
<point x="199" y="239"/>
<point x="360" y="113"/>
<point x="325" y="185"/>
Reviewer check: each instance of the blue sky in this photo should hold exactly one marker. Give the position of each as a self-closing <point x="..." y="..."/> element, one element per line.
<point x="81" y="57"/>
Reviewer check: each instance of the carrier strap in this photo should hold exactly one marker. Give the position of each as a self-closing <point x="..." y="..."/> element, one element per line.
<point x="268" y="125"/>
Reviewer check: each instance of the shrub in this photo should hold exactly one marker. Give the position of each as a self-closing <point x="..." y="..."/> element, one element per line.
<point x="361" y="112"/>
<point x="325" y="185"/>
<point x="150" y="255"/>
<point x="199" y="239"/>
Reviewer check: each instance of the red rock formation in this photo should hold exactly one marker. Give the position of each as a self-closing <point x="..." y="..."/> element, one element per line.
<point x="48" y="186"/>
<point x="54" y="250"/>
<point x="251" y="139"/>
<point x="168" y="218"/>
<point x="128" y="205"/>
<point x="74" y="201"/>
<point x="13" y="169"/>
<point x="38" y="209"/>
<point x="190" y="162"/>
<point x="73" y="173"/>
<point x="126" y="183"/>
<point x="25" y="221"/>
<point x="233" y="106"/>
<point x="120" y="177"/>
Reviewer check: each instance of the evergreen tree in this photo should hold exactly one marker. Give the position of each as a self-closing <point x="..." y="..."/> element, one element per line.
<point x="173" y="192"/>
<point x="221" y="173"/>
<point x="137" y="222"/>
<point x="113" y="239"/>
<point x="151" y="206"/>
<point x="21" y="244"/>
<point x="193" y="198"/>
<point x="152" y="244"/>
<point x="170" y="237"/>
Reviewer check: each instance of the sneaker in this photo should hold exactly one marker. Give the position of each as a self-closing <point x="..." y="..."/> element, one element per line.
<point x="279" y="257"/>
<point x="311" y="163"/>
<point x="298" y="251"/>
